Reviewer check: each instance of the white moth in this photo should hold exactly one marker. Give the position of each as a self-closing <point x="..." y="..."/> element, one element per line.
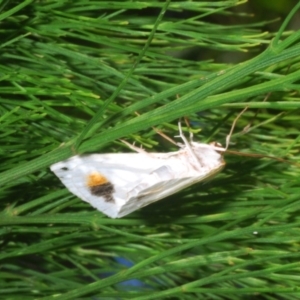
<point x="119" y="183"/>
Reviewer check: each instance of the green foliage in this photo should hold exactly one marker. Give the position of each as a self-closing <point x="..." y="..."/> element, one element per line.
<point x="73" y="76"/>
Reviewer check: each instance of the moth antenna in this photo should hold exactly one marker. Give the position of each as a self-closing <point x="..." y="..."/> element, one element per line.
<point x="247" y="127"/>
<point x="232" y="127"/>
<point x="261" y="156"/>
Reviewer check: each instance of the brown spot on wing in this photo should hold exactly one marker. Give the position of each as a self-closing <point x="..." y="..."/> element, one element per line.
<point x="100" y="186"/>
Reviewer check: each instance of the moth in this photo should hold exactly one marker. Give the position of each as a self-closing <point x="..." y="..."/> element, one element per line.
<point x="119" y="183"/>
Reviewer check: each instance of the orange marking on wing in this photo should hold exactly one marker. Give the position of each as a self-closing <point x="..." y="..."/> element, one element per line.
<point x="95" y="179"/>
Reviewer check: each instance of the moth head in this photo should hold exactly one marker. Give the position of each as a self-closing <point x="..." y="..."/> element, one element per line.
<point x="218" y="147"/>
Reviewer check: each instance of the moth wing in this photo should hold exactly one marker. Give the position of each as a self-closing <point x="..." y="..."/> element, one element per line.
<point x="105" y="181"/>
<point x="118" y="184"/>
<point x="163" y="188"/>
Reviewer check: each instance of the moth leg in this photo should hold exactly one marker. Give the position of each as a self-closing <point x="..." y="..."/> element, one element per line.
<point x="188" y="146"/>
<point x="134" y="148"/>
<point x="166" y="137"/>
<point x="186" y="120"/>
